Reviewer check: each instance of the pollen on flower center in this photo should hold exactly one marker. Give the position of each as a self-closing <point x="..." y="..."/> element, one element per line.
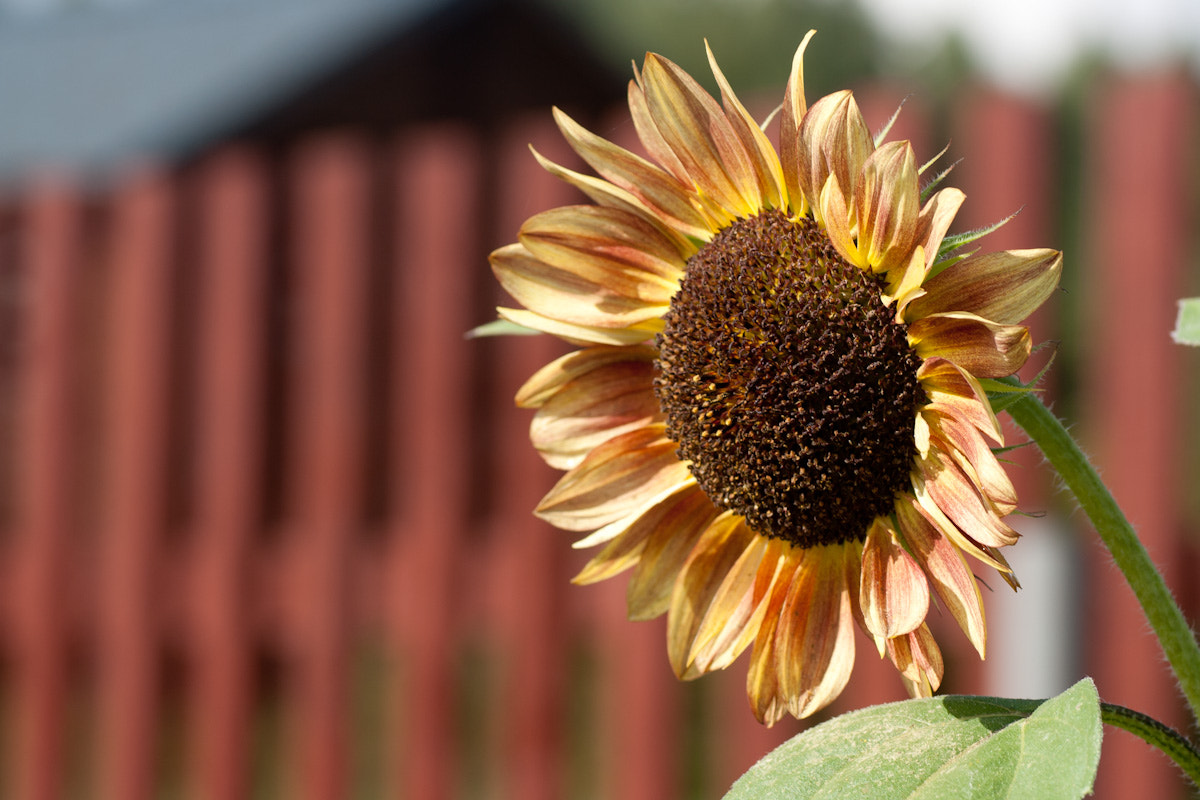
<point x="787" y="383"/>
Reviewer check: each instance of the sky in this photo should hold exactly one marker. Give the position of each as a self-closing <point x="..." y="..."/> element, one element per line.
<point x="1026" y="45"/>
<point x="1029" y="44"/>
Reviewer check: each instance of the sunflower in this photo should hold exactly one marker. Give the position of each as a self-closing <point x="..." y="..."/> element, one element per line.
<point x="777" y="413"/>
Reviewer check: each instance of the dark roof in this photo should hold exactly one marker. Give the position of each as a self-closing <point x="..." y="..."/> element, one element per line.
<point x="90" y="90"/>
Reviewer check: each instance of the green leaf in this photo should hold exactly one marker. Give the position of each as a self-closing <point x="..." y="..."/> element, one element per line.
<point x="1187" y="324"/>
<point x="953" y="746"/>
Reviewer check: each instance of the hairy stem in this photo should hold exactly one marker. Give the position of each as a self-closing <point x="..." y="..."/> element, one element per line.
<point x="1163" y="614"/>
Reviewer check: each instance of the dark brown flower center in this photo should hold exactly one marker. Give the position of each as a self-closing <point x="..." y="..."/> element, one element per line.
<point x="787" y="383"/>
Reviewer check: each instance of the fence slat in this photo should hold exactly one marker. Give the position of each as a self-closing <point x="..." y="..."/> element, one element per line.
<point x="437" y="175"/>
<point x="47" y="367"/>
<point x="1143" y="157"/>
<point x="136" y="414"/>
<point x="228" y="478"/>
<point x="324" y="484"/>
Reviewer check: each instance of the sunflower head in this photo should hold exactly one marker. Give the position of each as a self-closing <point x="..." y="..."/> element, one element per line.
<point x="776" y="416"/>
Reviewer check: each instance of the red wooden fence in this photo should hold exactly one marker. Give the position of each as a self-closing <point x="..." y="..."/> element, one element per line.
<point x="265" y="511"/>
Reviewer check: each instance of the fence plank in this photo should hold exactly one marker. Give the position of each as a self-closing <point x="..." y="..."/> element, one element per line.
<point x="437" y="178"/>
<point x="530" y="620"/>
<point x="1140" y="215"/>
<point x="136" y="414"/>
<point x="228" y="482"/>
<point x="324" y="485"/>
<point x="47" y="367"/>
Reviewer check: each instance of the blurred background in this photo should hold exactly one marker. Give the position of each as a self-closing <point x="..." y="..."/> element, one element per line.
<point x="265" y="523"/>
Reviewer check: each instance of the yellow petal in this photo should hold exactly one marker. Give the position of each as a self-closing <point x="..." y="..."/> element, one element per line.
<point x="831" y="211"/>
<point x="598" y="243"/>
<point x="650" y="136"/>
<point x="652" y="185"/>
<point x="790" y="152"/>
<point x="935" y="220"/>
<point x="947" y="570"/>
<point x="614" y="479"/>
<point x="626" y="538"/>
<point x="961" y="501"/>
<point x="893" y="594"/>
<point x="700" y="136"/>
<point x="593" y="408"/>
<point x="583" y="334"/>
<point x="937" y="517"/>
<point x="955" y="392"/>
<point x="593" y="299"/>
<point x="834" y="140"/>
<point x="736" y="611"/>
<point x="762" y="677"/>
<point x="815" y="639"/>
<point x="719" y="554"/>
<point x="984" y="348"/>
<point x="551" y="379"/>
<point x="889" y="203"/>
<point x="758" y="148"/>
<point x="964" y="443"/>
<point x="668" y="548"/>
<point x="607" y="194"/>
<point x="1003" y="287"/>
<point x="919" y="660"/>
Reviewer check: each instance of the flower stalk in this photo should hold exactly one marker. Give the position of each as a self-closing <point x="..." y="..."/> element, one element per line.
<point x="1154" y="733"/>
<point x="1174" y="635"/>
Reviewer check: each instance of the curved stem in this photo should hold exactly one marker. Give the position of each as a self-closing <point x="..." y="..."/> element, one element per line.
<point x="1163" y="614"/>
<point x="1153" y="732"/>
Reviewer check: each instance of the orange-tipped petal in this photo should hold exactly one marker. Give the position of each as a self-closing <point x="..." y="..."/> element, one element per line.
<point x="893" y="593"/>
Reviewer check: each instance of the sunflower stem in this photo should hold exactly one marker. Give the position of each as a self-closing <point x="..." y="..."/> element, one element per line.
<point x="1156" y="734"/>
<point x="1174" y="635"/>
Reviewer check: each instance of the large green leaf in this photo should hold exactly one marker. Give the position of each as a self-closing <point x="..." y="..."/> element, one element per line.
<point x="953" y="746"/>
<point x="1187" y="326"/>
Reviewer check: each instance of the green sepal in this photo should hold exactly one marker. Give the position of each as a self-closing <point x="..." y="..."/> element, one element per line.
<point x="499" y="327"/>
<point x="927" y="189"/>
<point x="957" y="240"/>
